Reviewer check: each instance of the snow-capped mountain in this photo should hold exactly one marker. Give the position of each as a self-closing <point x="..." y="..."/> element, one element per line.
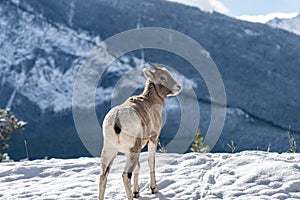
<point x="266" y="17"/>
<point x="291" y="25"/>
<point x="40" y="59"/>
<point x="43" y="44"/>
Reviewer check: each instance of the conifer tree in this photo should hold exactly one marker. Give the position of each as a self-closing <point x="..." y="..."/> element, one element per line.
<point x="197" y="145"/>
<point x="8" y="125"/>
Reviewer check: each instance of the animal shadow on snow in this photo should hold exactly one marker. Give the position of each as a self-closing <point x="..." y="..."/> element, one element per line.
<point x="158" y="195"/>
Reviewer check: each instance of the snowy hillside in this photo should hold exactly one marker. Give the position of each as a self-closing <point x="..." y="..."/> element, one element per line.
<point x="291" y="25"/>
<point x="45" y="42"/>
<point x="41" y="59"/>
<point x="245" y="175"/>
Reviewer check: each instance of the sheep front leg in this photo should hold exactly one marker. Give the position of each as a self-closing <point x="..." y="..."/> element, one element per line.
<point x="132" y="160"/>
<point x="152" y="146"/>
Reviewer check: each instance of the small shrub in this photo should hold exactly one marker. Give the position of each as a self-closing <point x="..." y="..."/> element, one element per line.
<point x="8" y="125"/>
<point x="267" y="152"/>
<point x="162" y="148"/>
<point x="197" y="145"/>
<point x="232" y="146"/>
<point x="269" y="148"/>
<point x="292" y="142"/>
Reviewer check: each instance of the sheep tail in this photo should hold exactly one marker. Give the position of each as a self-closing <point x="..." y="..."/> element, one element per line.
<point x="117" y="125"/>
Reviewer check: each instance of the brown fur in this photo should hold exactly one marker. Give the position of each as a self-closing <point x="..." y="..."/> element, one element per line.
<point x="152" y="95"/>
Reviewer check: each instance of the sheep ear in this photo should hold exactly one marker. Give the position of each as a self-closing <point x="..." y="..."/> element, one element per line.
<point x="155" y="67"/>
<point x="148" y="74"/>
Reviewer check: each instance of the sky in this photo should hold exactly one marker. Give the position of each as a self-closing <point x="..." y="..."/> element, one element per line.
<point x="249" y="10"/>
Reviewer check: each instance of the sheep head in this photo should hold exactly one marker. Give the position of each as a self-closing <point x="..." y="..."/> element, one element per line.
<point x="161" y="77"/>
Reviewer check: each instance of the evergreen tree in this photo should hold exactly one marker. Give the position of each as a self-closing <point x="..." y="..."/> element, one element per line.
<point x="8" y="125"/>
<point x="197" y="145"/>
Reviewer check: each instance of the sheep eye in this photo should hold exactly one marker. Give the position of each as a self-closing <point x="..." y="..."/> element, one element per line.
<point x="162" y="78"/>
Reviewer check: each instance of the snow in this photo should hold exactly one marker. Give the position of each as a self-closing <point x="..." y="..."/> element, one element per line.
<point x="236" y="112"/>
<point x="205" y="5"/>
<point x="55" y="53"/>
<point x="71" y="13"/>
<point x="45" y="83"/>
<point x="245" y="175"/>
<point x="291" y="25"/>
<point x="267" y="17"/>
<point x="118" y="68"/>
<point x="251" y="32"/>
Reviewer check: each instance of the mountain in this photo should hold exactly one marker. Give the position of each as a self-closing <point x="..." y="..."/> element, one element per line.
<point x="291" y="25"/>
<point x="45" y="42"/>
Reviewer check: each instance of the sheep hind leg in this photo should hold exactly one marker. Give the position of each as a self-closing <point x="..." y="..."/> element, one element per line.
<point x="107" y="157"/>
<point x="132" y="160"/>
<point x="136" y="188"/>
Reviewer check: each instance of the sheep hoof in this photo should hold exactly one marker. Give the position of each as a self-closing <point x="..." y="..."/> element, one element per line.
<point x="154" y="190"/>
<point x="136" y="195"/>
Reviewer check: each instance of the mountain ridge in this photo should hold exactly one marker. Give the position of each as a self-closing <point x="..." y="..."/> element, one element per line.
<point x="258" y="65"/>
<point x="292" y="25"/>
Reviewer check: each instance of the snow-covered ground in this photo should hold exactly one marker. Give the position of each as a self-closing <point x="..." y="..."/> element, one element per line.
<point x="245" y="175"/>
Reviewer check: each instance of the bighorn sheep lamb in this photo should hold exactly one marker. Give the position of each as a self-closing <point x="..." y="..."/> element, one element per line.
<point x="130" y="126"/>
